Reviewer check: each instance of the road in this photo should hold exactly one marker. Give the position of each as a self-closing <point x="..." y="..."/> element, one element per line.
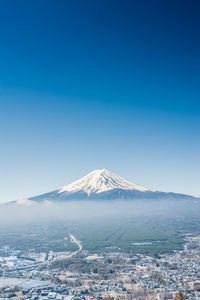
<point x="77" y="242"/>
<point x="46" y="262"/>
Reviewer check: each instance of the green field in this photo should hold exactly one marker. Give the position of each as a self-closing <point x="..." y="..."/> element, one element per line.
<point x="158" y="235"/>
<point x="148" y="234"/>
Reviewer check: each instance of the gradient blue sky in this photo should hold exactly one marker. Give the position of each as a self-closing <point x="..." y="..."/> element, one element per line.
<point x="99" y="84"/>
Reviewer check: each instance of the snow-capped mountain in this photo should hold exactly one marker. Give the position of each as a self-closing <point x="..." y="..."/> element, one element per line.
<point x="104" y="185"/>
<point x="100" y="181"/>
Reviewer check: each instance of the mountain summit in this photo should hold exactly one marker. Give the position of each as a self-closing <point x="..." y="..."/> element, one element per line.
<point x="100" y="181"/>
<point x="104" y="185"/>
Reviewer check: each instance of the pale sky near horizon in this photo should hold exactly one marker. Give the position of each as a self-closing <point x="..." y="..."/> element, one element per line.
<point x="88" y="85"/>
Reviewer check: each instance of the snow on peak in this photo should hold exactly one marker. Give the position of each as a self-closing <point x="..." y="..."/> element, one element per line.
<point x="100" y="181"/>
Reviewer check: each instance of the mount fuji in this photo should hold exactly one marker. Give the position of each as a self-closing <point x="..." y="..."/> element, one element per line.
<point x="103" y="185"/>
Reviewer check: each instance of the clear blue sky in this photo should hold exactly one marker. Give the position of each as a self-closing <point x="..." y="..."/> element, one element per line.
<point x="99" y="84"/>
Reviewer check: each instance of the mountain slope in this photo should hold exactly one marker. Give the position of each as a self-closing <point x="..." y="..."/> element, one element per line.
<point x="100" y="181"/>
<point x="104" y="185"/>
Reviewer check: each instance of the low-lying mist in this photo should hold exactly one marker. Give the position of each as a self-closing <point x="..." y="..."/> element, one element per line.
<point x="16" y="213"/>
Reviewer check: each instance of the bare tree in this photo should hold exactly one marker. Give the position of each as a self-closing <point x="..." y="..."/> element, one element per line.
<point x="180" y="296"/>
